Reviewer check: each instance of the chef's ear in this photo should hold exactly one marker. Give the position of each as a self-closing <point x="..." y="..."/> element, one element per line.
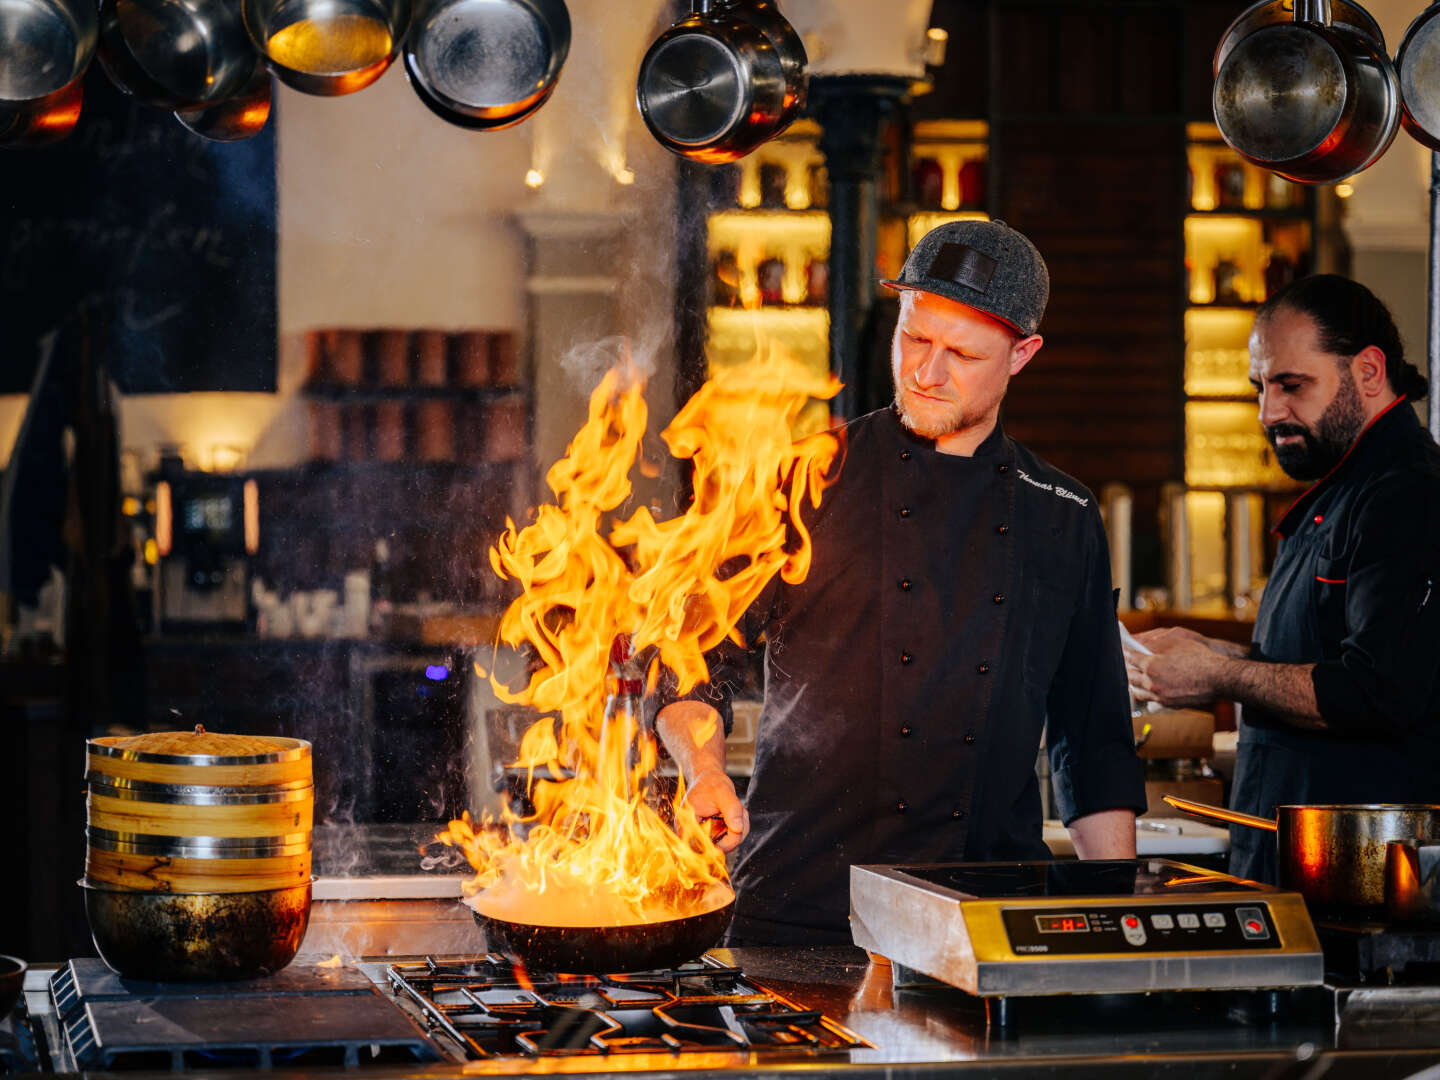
<point x="1369" y="369"/>
<point x="1023" y="350"/>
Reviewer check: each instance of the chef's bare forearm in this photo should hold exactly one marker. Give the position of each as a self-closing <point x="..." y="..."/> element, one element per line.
<point x="1105" y="834"/>
<point x="1286" y="691"/>
<point x="695" y="736"/>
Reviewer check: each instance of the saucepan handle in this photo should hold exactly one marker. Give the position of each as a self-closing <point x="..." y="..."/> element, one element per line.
<point x="1219" y="813"/>
<point x="1312" y="11"/>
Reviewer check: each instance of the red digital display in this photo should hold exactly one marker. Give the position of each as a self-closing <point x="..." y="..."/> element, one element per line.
<point x="1062" y="924"/>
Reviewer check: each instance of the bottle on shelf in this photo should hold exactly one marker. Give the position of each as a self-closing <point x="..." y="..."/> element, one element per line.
<point x="929" y="181"/>
<point x="1229" y="184"/>
<point x="972" y="183"/>
<point x="1227" y="282"/>
<point x="817" y="281"/>
<point x="1279" y="272"/>
<point x="770" y="277"/>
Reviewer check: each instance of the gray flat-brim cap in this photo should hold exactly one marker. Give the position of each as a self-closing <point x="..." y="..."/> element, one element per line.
<point x="984" y="264"/>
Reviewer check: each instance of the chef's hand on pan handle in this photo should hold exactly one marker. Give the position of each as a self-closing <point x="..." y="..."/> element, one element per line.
<point x="693" y="733"/>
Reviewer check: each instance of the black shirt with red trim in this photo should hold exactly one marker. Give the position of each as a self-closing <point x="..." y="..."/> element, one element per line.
<point x="1355" y="590"/>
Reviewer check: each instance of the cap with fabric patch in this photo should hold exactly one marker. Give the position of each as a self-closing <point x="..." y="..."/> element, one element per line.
<point x="984" y="264"/>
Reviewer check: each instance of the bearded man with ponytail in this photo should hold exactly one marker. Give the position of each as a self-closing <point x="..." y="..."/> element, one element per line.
<point x="1340" y="686"/>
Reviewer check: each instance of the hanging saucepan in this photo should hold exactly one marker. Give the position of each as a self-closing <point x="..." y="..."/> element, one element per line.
<point x="175" y="54"/>
<point x="237" y="117"/>
<point x="1310" y="100"/>
<point x="327" y="47"/>
<point x="1333" y="856"/>
<point x="45" y="48"/>
<point x="1418" y="65"/>
<point x="720" y="82"/>
<point x="486" y="64"/>
<point x="596" y="950"/>
<point x="1271" y="12"/>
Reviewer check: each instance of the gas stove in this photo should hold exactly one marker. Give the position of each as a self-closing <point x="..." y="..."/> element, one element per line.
<point x="479" y="1009"/>
<point x="487" y="1008"/>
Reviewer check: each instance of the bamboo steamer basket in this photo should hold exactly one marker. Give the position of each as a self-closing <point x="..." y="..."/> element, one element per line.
<point x="204" y="822"/>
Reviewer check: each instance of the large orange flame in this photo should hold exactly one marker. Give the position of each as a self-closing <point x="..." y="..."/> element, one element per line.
<point x="597" y="851"/>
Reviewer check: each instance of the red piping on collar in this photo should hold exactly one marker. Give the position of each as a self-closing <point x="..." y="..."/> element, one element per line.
<point x="1306" y="493"/>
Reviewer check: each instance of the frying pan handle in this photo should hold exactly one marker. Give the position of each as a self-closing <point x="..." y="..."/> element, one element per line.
<point x="1219" y="813"/>
<point x="1312" y="11"/>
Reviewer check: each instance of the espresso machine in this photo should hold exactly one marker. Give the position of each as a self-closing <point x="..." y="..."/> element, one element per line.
<point x="207" y="527"/>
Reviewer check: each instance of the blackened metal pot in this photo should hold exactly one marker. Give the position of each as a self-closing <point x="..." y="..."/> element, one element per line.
<point x="165" y="936"/>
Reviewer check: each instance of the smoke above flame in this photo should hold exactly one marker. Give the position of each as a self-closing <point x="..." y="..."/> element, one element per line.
<point x="597" y="850"/>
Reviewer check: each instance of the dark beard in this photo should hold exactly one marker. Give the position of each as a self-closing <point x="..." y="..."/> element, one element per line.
<point x="1338" y="427"/>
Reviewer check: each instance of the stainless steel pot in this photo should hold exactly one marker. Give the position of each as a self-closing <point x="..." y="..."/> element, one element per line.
<point x="175" y="54"/>
<point x="327" y="47"/>
<point x="486" y="64"/>
<point x="1418" y="66"/>
<point x="722" y="81"/>
<point x="1311" y="100"/>
<point x="1412" y="880"/>
<point x="167" y="936"/>
<point x="45" y="47"/>
<point x="1273" y="12"/>
<point x="1334" y="855"/>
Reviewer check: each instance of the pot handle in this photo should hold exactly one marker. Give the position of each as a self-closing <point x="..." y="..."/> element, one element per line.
<point x="1219" y="813"/>
<point x="1313" y="11"/>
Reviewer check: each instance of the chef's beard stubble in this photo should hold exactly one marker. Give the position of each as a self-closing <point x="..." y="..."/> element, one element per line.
<point x="1338" y="427"/>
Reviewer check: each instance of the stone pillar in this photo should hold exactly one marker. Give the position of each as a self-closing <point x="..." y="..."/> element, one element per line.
<point x="852" y="111"/>
<point x="572" y="291"/>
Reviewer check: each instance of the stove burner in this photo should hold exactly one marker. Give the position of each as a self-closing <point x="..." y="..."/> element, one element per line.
<point x="492" y="1009"/>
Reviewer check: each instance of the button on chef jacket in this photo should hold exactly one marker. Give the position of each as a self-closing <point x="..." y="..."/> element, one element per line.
<point x="1355" y="590"/>
<point x="954" y="604"/>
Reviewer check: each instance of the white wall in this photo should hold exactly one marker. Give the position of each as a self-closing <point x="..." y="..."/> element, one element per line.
<point x="388" y="216"/>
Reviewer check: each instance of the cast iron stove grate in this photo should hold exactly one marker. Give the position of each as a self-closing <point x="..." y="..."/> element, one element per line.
<point x="302" y="1016"/>
<point x="492" y="1009"/>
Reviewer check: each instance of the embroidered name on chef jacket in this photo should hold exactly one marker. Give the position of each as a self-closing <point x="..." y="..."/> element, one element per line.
<point x="1054" y="489"/>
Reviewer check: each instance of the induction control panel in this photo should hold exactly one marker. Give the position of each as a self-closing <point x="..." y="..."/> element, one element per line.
<point x="1084" y="929"/>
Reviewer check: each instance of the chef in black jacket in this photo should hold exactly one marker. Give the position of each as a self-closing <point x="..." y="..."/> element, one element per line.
<point x="958" y="607"/>
<point x="1339" y="689"/>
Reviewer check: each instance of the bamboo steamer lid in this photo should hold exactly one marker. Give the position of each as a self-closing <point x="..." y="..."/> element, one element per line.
<point x="200" y="758"/>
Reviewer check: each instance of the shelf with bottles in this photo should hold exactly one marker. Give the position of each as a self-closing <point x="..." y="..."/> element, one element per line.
<point x="1220" y="181"/>
<point x="786" y="173"/>
<point x="1236" y="261"/>
<point x="949" y="165"/>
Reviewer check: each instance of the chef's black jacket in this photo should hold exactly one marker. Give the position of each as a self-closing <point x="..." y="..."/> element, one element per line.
<point x="957" y="607"/>
<point x="1353" y="591"/>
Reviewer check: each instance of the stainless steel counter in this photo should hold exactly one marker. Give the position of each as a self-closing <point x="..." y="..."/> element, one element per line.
<point x="938" y="1031"/>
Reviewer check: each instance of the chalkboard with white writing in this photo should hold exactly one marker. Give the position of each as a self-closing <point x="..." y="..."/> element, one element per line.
<point x="173" y="234"/>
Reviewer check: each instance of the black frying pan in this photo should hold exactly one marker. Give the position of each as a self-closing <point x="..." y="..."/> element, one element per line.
<point x="596" y="950"/>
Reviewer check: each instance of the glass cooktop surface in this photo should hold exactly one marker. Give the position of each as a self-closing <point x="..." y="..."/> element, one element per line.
<point x="1095" y="878"/>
